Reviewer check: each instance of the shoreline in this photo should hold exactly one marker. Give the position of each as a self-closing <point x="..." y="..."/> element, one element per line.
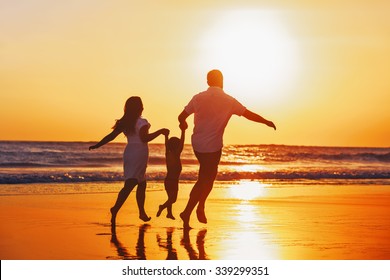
<point x="247" y="220"/>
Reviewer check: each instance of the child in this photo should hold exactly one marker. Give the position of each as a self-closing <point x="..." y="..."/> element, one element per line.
<point x="173" y="148"/>
<point x="135" y="156"/>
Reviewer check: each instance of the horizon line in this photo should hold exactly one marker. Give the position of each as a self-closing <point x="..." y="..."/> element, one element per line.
<point x="230" y="144"/>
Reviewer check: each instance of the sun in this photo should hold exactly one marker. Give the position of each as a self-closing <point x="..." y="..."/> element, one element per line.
<point x="255" y="52"/>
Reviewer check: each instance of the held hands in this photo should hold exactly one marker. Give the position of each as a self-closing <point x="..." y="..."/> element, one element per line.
<point x="165" y="131"/>
<point x="183" y="125"/>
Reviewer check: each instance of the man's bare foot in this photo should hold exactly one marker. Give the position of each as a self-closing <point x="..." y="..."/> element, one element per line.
<point x="170" y="216"/>
<point x="201" y="216"/>
<point x="113" y="216"/>
<point x="145" y="218"/>
<point x="160" y="209"/>
<point x="186" y="221"/>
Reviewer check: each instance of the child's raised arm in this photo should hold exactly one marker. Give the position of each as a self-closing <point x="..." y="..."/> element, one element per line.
<point x="182" y="137"/>
<point x="166" y="141"/>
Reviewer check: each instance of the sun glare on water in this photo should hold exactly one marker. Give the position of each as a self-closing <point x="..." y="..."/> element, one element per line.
<point x="255" y="52"/>
<point x="248" y="190"/>
<point x="252" y="222"/>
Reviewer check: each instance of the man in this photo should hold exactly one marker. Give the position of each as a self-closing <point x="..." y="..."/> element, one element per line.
<point x="212" y="110"/>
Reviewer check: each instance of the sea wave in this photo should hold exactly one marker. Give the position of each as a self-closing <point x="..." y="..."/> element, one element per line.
<point x="109" y="161"/>
<point x="336" y="157"/>
<point x="78" y="177"/>
<point x="94" y="161"/>
<point x="63" y="162"/>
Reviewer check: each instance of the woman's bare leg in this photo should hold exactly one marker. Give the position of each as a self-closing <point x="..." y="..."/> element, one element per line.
<point x="122" y="196"/>
<point x="141" y="192"/>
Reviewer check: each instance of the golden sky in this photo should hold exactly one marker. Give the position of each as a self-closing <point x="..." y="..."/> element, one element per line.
<point x="319" y="69"/>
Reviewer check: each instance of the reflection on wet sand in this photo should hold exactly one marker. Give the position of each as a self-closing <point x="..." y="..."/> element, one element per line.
<point x="186" y="243"/>
<point x="167" y="245"/>
<point x="139" y="248"/>
<point x="172" y="254"/>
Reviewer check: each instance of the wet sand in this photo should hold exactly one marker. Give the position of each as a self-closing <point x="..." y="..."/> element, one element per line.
<point x="246" y="220"/>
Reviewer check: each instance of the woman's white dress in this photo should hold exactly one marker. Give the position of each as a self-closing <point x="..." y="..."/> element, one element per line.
<point x="135" y="156"/>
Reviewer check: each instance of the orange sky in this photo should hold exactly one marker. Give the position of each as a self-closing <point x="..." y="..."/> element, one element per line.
<point x="319" y="70"/>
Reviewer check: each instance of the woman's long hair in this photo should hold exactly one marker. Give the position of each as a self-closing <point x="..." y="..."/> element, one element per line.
<point x="132" y="111"/>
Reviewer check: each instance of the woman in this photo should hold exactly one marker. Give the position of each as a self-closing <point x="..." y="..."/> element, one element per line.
<point x="135" y="156"/>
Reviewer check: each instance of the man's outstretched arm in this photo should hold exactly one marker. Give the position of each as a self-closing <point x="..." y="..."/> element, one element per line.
<point x="257" y="118"/>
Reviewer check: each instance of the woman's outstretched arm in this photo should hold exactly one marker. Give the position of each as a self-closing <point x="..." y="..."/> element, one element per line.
<point x="108" y="138"/>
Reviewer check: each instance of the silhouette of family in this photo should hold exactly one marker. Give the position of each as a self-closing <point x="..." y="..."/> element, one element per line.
<point x="212" y="111"/>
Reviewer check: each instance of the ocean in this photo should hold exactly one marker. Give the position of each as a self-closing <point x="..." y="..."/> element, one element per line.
<point x="23" y="162"/>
